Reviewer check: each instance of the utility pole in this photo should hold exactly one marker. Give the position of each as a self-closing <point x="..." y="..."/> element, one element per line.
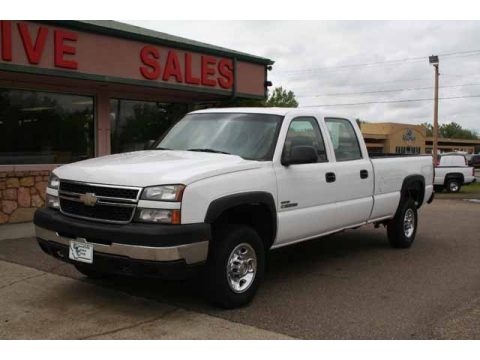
<point x="435" y="62"/>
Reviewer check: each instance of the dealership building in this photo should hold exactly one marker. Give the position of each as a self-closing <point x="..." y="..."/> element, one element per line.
<point x="390" y="137"/>
<point x="72" y="90"/>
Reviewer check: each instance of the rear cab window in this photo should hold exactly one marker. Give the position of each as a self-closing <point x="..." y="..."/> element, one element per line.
<point x="344" y="139"/>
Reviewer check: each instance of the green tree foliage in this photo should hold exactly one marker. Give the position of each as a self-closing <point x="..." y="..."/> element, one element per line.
<point x="280" y="97"/>
<point x="429" y="128"/>
<point x="452" y="130"/>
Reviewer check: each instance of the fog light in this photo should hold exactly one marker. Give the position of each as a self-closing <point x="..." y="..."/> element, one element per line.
<point x="52" y="201"/>
<point x="159" y="216"/>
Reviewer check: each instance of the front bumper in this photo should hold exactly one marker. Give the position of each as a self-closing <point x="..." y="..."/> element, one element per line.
<point x="130" y="243"/>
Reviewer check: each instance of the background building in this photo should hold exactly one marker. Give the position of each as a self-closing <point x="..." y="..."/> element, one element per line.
<point x="409" y="139"/>
<point x="72" y="90"/>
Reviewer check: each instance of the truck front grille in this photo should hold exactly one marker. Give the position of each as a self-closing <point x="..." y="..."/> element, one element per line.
<point x="98" y="202"/>
<point x="97" y="212"/>
<point x="99" y="190"/>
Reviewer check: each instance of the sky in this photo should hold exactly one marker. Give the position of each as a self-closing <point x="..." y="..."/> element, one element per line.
<point x="328" y="63"/>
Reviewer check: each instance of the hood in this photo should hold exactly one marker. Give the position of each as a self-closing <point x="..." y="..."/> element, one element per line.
<point x="154" y="167"/>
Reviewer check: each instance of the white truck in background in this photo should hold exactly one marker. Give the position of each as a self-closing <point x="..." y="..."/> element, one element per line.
<point x="452" y="172"/>
<point x="220" y="189"/>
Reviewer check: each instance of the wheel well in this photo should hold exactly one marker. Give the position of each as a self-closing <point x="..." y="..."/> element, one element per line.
<point x="256" y="215"/>
<point x="458" y="176"/>
<point x="414" y="187"/>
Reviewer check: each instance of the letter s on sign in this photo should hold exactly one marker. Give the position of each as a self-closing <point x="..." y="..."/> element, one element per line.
<point x="149" y="55"/>
<point x="225" y="68"/>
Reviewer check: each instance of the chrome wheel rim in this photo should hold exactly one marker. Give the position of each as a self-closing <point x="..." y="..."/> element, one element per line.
<point x="409" y="223"/>
<point x="241" y="268"/>
<point x="453" y="186"/>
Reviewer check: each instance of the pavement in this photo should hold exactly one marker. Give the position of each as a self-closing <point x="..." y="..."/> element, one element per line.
<point x="39" y="305"/>
<point x="350" y="285"/>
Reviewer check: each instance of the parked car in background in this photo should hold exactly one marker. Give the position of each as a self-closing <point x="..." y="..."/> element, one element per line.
<point x="452" y="172"/>
<point x="474" y="161"/>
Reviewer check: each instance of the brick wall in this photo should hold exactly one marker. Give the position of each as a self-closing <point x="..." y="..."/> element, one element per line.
<point x="21" y="193"/>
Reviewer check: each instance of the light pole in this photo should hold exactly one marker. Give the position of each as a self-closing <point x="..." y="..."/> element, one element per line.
<point x="434" y="61"/>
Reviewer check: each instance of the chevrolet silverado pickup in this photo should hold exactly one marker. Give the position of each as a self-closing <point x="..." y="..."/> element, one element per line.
<point x="451" y="172"/>
<point x="220" y="189"/>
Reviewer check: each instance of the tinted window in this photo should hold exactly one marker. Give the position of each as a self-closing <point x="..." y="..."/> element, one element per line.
<point x="304" y="131"/>
<point x="251" y="136"/>
<point x="134" y="123"/>
<point x="344" y="139"/>
<point x="45" y="128"/>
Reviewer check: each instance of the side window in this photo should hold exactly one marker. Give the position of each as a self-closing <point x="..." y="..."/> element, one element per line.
<point x="305" y="131"/>
<point x="344" y="139"/>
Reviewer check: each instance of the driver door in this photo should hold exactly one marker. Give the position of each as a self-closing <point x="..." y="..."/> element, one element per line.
<point x="306" y="192"/>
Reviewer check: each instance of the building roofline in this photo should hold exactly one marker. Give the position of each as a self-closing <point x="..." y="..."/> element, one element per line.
<point x="450" y="140"/>
<point x="132" y="32"/>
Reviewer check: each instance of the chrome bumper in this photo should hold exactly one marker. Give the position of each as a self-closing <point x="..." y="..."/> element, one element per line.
<point x="190" y="253"/>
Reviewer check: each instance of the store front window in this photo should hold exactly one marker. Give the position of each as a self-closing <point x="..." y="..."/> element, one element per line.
<point x="135" y="123"/>
<point x="45" y="128"/>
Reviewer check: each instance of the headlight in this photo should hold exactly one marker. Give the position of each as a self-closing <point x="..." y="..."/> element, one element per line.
<point x="52" y="202"/>
<point x="159" y="216"/>
<point x="163" y="193"/>
<point x="53" y="181"/>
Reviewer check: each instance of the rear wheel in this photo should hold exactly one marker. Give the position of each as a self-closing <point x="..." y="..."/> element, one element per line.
<point x="403" y="227"/>
<point x="453" y="185"/>
<point x="235" y="266"/>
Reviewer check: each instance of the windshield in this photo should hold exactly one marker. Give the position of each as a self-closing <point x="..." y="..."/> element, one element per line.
<point x="251" y="136"/>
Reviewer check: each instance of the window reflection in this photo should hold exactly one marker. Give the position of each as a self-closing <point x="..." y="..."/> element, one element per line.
<point x="45" y="128"/>
<point x="134" y="123"/>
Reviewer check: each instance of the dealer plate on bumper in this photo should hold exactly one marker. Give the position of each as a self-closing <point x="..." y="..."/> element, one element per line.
<point x="81" y="251"/>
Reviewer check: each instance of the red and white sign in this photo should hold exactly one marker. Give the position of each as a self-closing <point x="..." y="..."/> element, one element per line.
<point x="50" y="47"/>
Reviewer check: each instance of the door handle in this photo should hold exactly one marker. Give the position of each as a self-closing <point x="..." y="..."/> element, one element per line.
<point x="330" y="177"/>
<point x="363" y="174"/>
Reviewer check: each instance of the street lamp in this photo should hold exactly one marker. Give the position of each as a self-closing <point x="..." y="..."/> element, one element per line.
<point x="435" y="62"/>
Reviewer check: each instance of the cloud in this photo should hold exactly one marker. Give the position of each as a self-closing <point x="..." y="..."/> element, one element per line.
<point x="322" y="47"/>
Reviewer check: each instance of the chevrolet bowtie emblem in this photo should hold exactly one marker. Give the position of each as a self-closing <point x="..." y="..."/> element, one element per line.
<point x="88" y="199"/>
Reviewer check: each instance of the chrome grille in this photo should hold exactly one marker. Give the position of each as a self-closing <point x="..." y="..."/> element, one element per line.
<point x="99" y="190"/>
<point x="114" y="204"/>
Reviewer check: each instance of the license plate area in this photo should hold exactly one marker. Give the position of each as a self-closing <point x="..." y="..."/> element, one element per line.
<point x="81" y="251"/>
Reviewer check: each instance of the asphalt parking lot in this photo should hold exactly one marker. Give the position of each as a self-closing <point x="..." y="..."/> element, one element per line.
<point x="350" y="285"/>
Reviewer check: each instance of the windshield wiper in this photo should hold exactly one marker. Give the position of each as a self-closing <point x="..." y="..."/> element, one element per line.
<point x="210" y="151"/>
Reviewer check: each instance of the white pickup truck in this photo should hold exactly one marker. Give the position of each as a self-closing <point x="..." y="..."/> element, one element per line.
<point x="451" y="172"/>
<point x="223" y="187"/>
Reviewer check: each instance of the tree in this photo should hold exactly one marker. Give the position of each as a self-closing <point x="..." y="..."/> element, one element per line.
<point x="280" y="97"/>
<point x="429" y="128"/>
<point x="452" y="130"/>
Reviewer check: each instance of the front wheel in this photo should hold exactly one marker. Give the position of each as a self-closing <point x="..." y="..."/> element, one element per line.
<point x="235" y="266"/>
<point x="403" y="227"/>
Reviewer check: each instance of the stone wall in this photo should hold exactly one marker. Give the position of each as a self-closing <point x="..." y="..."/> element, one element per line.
<point x="21" y="193"/>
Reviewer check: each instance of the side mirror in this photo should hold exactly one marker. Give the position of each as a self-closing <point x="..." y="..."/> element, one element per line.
<point x="149" y="144"/>
<point x="301" y="155"/>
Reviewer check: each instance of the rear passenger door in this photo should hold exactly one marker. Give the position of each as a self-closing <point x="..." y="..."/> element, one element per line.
<point x="353" y="172"/>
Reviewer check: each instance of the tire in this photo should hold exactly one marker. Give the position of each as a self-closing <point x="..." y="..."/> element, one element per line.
<point x="230" y="242"/>
<point x="400" y="235"/>
<point x="453" y="185"/>
<point x="90" y="272"/>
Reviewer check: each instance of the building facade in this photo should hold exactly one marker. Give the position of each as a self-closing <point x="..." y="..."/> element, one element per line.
<point x="409" y="139"/>
<point x="72" y="90"/>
